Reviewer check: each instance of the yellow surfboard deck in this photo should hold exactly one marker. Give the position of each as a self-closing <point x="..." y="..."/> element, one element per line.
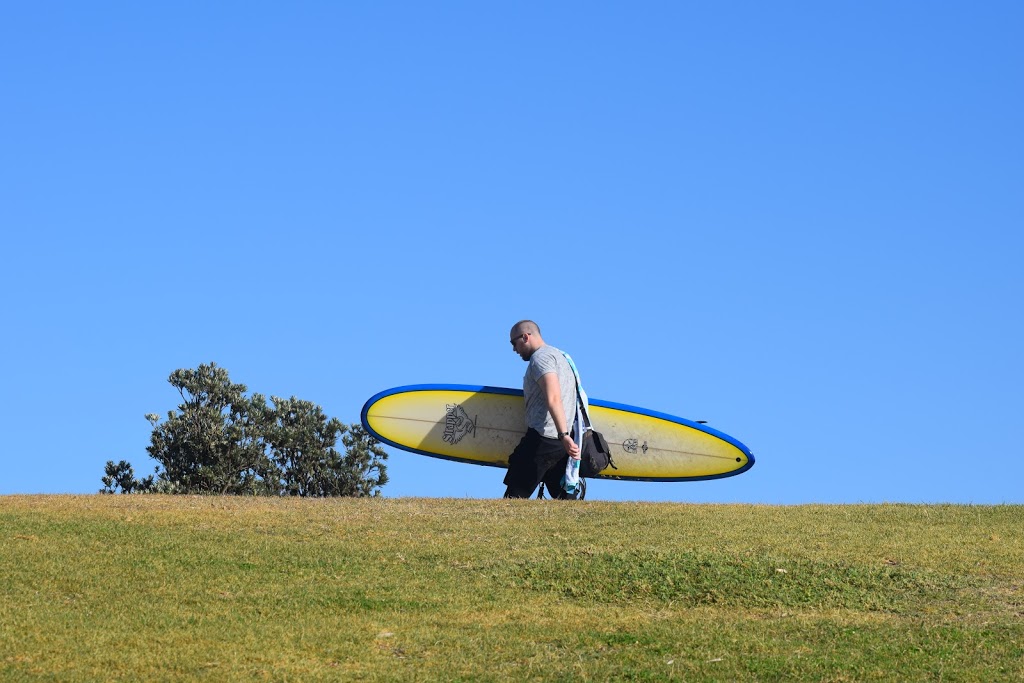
<point x="482" y="425"/>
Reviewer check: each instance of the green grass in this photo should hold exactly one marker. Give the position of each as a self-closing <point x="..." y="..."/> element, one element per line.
<point x="194" y="588"/>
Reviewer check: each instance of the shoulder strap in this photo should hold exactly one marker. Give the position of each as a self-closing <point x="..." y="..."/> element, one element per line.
<point x="587" y="424"/>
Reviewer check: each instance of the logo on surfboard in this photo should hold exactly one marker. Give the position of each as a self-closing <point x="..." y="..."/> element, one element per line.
<point x="457" y="424"/>
<point x="633" y="445"/>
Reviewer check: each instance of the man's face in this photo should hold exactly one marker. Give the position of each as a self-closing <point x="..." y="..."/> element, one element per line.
<point x="521" y="344"/>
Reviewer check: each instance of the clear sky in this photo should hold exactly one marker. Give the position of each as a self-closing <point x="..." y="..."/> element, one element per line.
<point x="799" y="221"/>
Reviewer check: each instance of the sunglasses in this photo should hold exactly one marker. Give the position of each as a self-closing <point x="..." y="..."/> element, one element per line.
<point x="513" y="341"/>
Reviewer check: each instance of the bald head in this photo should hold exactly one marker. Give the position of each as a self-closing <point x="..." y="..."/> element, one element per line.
<point x="526" y="327"/>
<point x="525" y="338"/>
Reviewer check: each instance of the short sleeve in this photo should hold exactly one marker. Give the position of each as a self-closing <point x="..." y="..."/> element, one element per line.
<point x="545" y="363"/>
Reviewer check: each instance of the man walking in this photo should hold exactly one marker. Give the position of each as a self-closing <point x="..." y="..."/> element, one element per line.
<point x="549" y="388"/>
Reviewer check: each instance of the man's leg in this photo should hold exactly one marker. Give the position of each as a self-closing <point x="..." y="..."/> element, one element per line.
<point x="529" y="462"/>
<point x="521" y="477"/>
<point x="553" y="479"/>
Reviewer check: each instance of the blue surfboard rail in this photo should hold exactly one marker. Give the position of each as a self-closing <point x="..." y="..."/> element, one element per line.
<point x="592" y="401"/>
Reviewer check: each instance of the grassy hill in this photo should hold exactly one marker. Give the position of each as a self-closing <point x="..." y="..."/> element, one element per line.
<point x="210" y="588"/>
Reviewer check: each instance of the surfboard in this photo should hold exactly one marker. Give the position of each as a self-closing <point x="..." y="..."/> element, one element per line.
<point x="481" y="425"/>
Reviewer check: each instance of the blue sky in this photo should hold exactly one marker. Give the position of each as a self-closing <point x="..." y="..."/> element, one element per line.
<point x="799" y="221"/>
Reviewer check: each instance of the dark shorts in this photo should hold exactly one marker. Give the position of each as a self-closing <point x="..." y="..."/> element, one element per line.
<point x="536" y="459"/>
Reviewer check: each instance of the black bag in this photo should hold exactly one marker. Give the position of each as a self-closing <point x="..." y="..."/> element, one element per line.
<point x="595" y="454"/>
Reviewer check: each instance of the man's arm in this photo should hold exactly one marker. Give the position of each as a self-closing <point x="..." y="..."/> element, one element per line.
<point x="553" y="395"/>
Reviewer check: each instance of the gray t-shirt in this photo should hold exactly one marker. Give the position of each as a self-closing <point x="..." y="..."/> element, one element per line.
<point x="544" y="360"/>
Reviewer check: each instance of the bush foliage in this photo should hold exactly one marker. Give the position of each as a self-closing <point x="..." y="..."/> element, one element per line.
<point x="222" y="441"/>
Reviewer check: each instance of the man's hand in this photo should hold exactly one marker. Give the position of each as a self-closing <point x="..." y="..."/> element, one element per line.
<point x="571" y="447"/>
